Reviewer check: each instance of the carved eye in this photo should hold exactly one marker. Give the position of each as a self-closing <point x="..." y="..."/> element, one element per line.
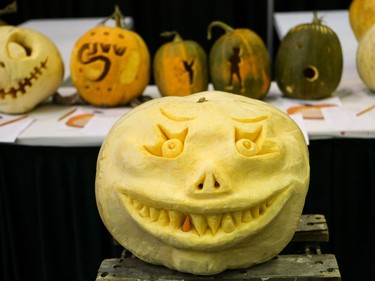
<point x="172" y="148"/>
<point x="170" y="144"/>
<point x="249" y="143"/>
<point x="247" y="148"/>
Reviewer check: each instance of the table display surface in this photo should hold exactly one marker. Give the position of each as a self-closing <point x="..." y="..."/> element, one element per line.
<point x="350" y="98"/>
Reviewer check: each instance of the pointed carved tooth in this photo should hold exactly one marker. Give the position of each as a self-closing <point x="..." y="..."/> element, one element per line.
<point x="186" y="226"/>
<point x="154" y="214"/>
<point x="214" y="222"/>
<point x="262" y="209"/>
<point x="163" y="218"/>
<point x="199" y="223"/>
<point x="237" y="217"/>
<point x="246" y="216"/>
<point x="255" y="212"/>
<point x="176" y="219"/>
<point x="227" y="223"/>
<point x="144" y="212"/>
<point x="137" y="205"/>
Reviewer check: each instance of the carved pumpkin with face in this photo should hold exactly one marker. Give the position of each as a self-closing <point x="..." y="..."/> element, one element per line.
<point x="203" y="183"/>
<point x="31" y="69"/>
<point x="110" y="66"/>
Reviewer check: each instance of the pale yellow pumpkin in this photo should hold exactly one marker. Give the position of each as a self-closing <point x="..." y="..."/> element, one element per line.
<point x="365" y="57"/>
<point x="31" y="69"/>
<point x="204" y="182"/>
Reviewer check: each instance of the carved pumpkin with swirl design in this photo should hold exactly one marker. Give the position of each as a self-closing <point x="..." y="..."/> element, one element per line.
<point x="110" y="66"/>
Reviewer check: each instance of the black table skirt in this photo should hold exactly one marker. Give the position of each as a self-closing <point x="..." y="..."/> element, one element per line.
<point x="51" y="229"/>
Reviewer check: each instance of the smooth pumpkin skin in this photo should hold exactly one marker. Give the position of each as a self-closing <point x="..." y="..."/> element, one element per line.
<point x="253" y="63"/>
<point x="361" y="16"/>
<point x="110" y="66"/>
<point x="365" y="58"/>
<point x="180" y="68"/>
<point x="309" y="62"/>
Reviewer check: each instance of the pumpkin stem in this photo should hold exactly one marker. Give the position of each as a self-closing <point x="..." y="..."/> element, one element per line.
<point x="117" y="16"/>
<point x="316" y="19"/>
<point x="224" y="26"/>
<point x="177" y="37"/>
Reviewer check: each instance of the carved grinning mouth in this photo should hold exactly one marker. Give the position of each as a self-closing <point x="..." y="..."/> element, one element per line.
<point x="199" y="225"/>
<point x="26" y="82"/>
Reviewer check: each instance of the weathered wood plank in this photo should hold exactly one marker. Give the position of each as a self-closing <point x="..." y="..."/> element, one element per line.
<point x="281" y="268"/>
<point x="312" y="228"/>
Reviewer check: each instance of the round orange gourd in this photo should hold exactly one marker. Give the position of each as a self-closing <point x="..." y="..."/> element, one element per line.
<point x="361" y="16"/>
<point x="180" y="67"/>
<point x="239" y="62"/>
<point x="110" y="66"/>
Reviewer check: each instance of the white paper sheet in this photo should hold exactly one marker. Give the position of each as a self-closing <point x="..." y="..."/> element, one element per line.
<point x="310" y="109"/>
<point x="346" y="119"/>
<point x="298" y="118"/>
<point x="92" y="120"/>
<point x="12" y="125"/>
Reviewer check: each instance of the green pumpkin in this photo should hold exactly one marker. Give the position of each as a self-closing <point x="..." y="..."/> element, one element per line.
<point x="239" y="62"/>
<point x="180" y="67"/>
<point x="309" y="61"/>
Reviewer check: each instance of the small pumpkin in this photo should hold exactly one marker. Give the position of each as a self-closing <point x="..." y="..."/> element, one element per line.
<point x="185" y="181"/>
<point x="309" y="61"/>
<point x="180" y="67"/>
<point x="239" y="62"/>
<point x="31" y="69"/>
<point x="361" y="16"/>
<point x="110" y="66"/>
<point x="365" y="57"/>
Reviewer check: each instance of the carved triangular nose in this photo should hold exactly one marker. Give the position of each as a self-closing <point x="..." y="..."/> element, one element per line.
<point x="207" y="183"/>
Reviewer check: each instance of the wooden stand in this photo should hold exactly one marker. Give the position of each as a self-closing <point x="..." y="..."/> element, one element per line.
<point x="311" y="265"/>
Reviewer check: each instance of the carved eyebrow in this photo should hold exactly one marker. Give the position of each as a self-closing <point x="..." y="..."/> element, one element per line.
<point x="175" y="118"/>
<point x="251" y="120"/>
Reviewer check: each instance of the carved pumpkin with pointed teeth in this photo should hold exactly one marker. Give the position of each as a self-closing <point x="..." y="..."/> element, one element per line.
<point x="31" y="69"/>
<point x="203" y="183"/>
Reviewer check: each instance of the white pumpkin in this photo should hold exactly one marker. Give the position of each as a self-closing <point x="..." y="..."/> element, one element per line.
<point x="31" y="69"/>
<point x="365" y="57"/>
<point x="203" y="183"/>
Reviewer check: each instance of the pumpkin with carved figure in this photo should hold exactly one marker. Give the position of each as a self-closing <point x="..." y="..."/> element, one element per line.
<point x="31" y="69"/>
<point x="110" y="65"/>
<point x="239" y="62"/>
<point x="309" y="61"/>
<point x="361" y="16"/>
<point x="203" y="183"/>
<point x="180" y="67"/>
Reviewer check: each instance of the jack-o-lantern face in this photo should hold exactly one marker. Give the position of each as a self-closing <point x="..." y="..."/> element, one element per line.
<point x="203" y="183"/>
<point x="110" y="66"/>
<point x="31" y="69"/>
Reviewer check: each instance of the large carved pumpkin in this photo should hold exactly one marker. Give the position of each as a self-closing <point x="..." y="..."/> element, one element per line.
<point x="309" y="61"/>
<point x="204" y="182"/>
<point x="239" y="62"/>
<point x="110" y="66"/>
<point x="180" y="67"/>
<point x="31" y="69"/>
